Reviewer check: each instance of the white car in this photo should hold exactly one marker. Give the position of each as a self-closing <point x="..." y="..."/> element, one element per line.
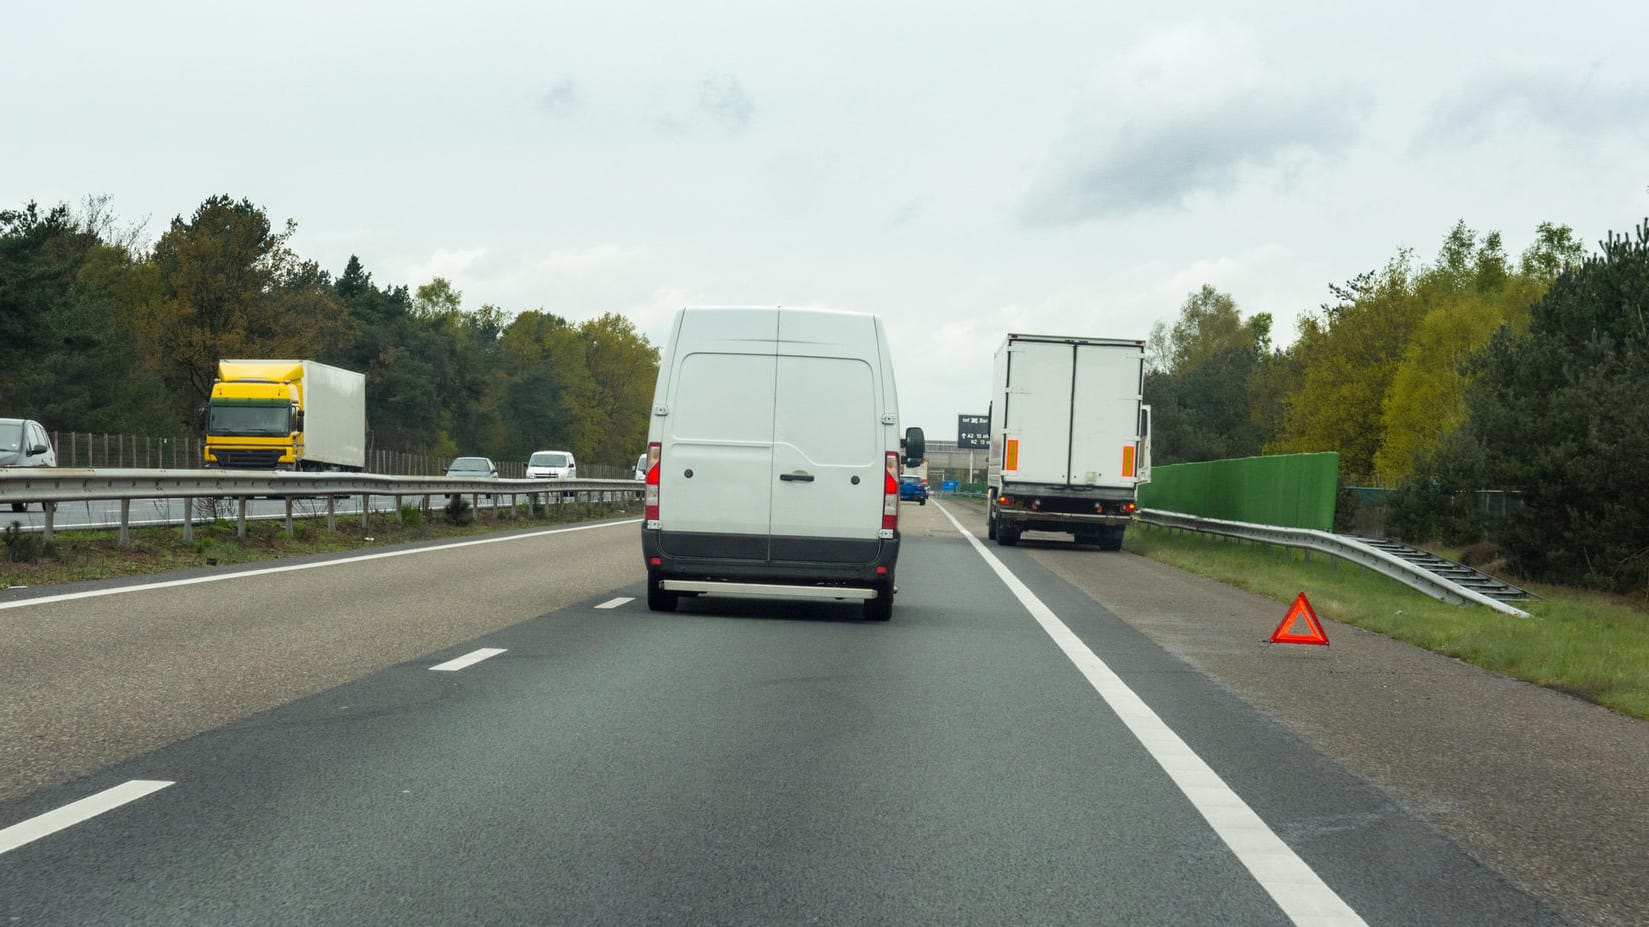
<point x="552" y="465"/>
<point x="24" y="444"/>
<point x="774" y="456"/>
<point x="641" y="467"/>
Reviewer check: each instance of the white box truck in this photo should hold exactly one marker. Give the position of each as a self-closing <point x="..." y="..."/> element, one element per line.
<point x="773" y="459"/>
<point x="1070" y="438"/>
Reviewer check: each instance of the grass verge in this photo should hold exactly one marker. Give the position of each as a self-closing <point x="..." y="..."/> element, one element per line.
<point x="1590" y="645"/>
<point x="72" y="556"/>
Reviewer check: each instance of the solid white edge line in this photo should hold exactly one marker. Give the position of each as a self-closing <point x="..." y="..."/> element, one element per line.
<point x="293" y="567"/>
<point x="43" y="825"/>
<point x="1293" y="885"/>
<point x="614" y="603"/>
<point x="468" y="659"/>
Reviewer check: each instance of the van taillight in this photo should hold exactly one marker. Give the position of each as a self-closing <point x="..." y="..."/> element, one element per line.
<point x="655" y="456"/>
<point x="890" y="494"/>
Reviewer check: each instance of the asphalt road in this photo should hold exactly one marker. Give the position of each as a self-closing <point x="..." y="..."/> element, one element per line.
<point x="736" y="762"/>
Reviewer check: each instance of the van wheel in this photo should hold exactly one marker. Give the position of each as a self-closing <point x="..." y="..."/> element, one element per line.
<point x="1007" y="537"/>
<point x="19" y="506"/>
<point x="881" y="607"/>
<point x="658" y="599"/>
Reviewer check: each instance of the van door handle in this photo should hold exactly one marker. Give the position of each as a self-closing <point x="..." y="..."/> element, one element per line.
<point x="800" y="476"/>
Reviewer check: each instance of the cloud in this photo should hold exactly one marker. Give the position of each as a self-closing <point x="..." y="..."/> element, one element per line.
<point x="593" y="259"/>
<point x="909" y="211"/>
<point x="445" y="263"/>
<point x="725" y="102"/>
<point x="560" y="98"/>
<point x="1569" y="106"/>
<point x="1188" y="111"/>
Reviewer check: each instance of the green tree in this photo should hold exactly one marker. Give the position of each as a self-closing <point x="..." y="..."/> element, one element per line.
<point x="1562" y="410"/>
<point x="1197" y="381"/>
<point x="231" y="287"/>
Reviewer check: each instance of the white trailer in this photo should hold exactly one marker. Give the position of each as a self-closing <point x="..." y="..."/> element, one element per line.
<point x="1070" y="438"/>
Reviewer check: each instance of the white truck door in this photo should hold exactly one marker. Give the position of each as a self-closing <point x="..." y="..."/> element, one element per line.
<point x="717" y="453"/>
<point x="828" y="459"/>
<point x="1036" y="431"/>
<point x="1105" y="439"/>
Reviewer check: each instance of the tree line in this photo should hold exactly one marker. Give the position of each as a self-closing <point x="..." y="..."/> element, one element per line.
<point x="100" y="333"/>
<point x="1472" y="371"/>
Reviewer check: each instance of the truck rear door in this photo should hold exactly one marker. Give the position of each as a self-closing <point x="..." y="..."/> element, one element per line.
<point x="1037" y="429"/>
<point x="1105" y="442"/>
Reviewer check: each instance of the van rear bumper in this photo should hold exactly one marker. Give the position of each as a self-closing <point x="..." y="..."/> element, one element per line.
<point x="807" y="561"/>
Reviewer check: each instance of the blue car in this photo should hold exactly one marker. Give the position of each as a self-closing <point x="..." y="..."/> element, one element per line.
<point x="912" y="489"/>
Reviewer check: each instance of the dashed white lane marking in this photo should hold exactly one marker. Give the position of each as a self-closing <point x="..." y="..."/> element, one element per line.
<point x="293" y="567"/>
<point x="468" y="659"/>
<point x="42" y="825"/>
<point x="614" y="603"/>
<point x="1304" y="897"/>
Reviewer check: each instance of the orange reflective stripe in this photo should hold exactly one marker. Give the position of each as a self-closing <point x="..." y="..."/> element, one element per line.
<point x="1012" y="463"/>
<point x="1128" y="460"/>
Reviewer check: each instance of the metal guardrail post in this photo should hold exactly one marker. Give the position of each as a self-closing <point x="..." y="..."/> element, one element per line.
<point x="366" y="513"/>
<point x="50" y="509"/>
<point x="240" y="520"/>
<point x="288" y="501"/>
<point x="188" y="519"/>
<point x="125" y="522"/>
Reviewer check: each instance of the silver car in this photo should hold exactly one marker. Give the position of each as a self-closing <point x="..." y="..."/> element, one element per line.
<point x="24" y="444"/>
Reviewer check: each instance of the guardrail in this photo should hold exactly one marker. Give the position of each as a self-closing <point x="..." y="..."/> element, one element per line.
<point x="1348" y="549"/>
<point x="51" y="486"/>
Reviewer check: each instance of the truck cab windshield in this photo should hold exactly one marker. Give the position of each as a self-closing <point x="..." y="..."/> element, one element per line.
<point x="249" y="420"/>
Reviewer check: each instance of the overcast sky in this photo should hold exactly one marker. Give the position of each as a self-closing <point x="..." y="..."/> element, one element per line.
<point x="961" y="169"/>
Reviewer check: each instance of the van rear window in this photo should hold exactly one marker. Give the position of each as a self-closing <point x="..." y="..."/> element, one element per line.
<point x="827" y="410"/>
<point x="724" y="397"/>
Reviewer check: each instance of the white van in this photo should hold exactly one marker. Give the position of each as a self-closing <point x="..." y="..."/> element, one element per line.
<point x="552" y="465"/>
<point x="774" y="459"/>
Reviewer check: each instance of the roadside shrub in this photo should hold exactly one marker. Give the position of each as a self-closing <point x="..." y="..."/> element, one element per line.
<point x="22" y="546"/>
<point x="411" y="516"/>
<point x="458" y="511"/>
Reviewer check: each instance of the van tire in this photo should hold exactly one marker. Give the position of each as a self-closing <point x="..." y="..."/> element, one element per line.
<point x="881" y="607"/>
<point x="658" y="599"/>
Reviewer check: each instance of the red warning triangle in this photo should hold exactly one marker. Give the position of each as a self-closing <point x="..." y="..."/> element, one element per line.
<point x="1300" y="626"/>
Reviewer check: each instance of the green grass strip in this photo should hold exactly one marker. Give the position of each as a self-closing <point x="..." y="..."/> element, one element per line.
<point x="1592" y="646"/>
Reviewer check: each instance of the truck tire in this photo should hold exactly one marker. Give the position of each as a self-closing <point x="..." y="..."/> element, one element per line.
<point x="1007" y="537"/>
<point x="658" y="599"/>
<point x="1111" y="539"/>
<point x="1087" y="537"/>
<point x="990" y="523"/>
<point x="881" y="607"/>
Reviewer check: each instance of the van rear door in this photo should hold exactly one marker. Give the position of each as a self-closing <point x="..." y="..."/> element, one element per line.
<point x="715" y="477"/>
<point x="828" y="456"/>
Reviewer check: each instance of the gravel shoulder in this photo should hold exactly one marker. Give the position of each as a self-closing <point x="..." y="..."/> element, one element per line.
<point x="1542" y="787"/>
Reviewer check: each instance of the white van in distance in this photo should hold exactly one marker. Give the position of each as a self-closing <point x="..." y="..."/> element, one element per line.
<point x="774" y="456"/>
<point x="552" y="465"/>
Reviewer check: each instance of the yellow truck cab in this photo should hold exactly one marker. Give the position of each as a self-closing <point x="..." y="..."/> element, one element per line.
<point x="286" y="415"/>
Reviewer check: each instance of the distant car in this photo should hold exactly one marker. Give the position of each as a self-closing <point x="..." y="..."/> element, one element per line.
<point x="481" y="468"/>
<point x="913" y="489"/>
<point x="552" y="465"/>
<point x="641" y="467"/>
<point x="24" y="444"/>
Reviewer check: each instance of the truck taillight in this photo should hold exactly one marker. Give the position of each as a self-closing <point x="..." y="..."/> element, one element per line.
<point x="890" y="493"/>
<point x="655" y="457"/>
<point x="1129" y="507"/>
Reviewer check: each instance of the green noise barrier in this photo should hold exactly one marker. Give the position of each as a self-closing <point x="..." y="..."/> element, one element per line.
<point x="1288" y="490"/>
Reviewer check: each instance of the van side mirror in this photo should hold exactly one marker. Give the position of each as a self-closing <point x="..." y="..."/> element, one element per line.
<point x="916" y="446"/>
